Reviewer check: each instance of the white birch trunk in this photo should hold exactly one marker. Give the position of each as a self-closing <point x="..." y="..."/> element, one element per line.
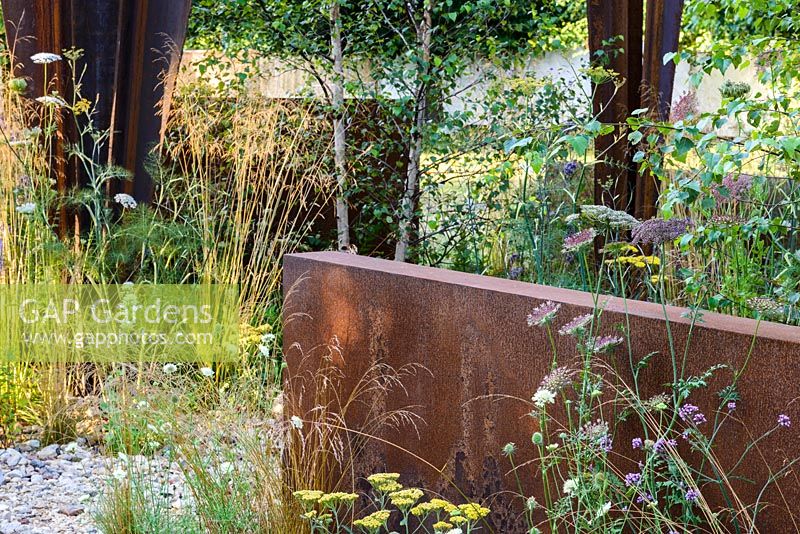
<point x="415" y="146"/>
<point x="339" y="140"/>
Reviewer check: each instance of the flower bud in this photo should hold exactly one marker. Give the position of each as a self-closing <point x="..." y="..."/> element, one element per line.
<point x="537" y="438"/>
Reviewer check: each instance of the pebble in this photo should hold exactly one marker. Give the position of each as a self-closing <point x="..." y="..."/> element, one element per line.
<point x="55" y="489"/>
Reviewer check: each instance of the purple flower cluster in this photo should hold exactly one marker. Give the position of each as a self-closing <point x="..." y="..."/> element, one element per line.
<point x="691" y="413"/>
<point x="575" y="242"/>
<point x="543" y="314"/>
<point x="600" y="344"/>
<point x="570" y="168"/>
<point x="784" y="421"/>
<point x="633" y="479"/>
<point x="557" y="379"/>
<point x="684" y="107"/>
<point x="576" y="324"/>
<point x="692" y="495"/>
<point x="661" y="444"/>
<point x="636" y="443"/>
<point x="646" y="498"/>
<point x="657" y="231"/>
<point x="737" y="188"/>
<point x="731" y="406"/>
<point x="605" y="443"/>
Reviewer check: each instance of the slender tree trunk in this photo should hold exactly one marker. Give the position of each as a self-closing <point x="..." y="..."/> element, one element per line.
<point x="415" y="144"/>
<point x="339" y="155"/>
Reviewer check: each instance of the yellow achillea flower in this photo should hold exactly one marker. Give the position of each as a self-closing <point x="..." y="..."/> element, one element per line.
<point x="441" y="526"/>
<point x="385" y="482"/>
<point x="434" y="505"/>
<point x="405" y="499"/>
<point x="332" y="500"/>
<point x="312" y="516"/>
<point x="373" y="522"/>
<point x="458" y="519"/>
<point x="473" y="511"/>
<point x="308" y="497"/>
<point x="636" y="261"/>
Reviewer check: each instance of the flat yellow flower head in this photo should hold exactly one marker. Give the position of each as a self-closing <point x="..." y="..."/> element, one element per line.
<point x="373" y="522"/>
<point x="473" y="511"/>
<point x="332" y="500"/>
<point x="405" y="498"/>
<point x="441" y="527"/>
<point x="385" y="482"/>
<point x="308" y="497"/>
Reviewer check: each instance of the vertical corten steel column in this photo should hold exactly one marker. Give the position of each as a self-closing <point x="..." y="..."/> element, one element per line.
<point x="610" y="20"/>
<point x="132" y="52"/>
<point x="661" y="33"/>
<point x="647" y="82"/>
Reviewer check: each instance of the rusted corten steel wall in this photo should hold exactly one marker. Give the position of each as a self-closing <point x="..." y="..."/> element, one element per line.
<point x="470" y="332"/>
<point x="132" y="51"/>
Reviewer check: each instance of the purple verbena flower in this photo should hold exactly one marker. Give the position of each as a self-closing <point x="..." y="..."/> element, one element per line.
<point x="661" y="444"/>
<point x="691" y="413"/>
<point x="605" y="443"/>
<point x="543" y="314"/>
<point x="633" y="479"/>
<point x="576" y="324"/>
<point x="647" y="497"/>
<point x="692" y="495"/>
<point x="636" y="443"/>
<point x="784" y="421"/>
<point x="731" y="406"/>
<point x="577" y="241"/>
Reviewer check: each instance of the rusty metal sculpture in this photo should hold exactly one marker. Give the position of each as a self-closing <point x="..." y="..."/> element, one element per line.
<point x="647" y="83"/>
<point x="132" y="52"/>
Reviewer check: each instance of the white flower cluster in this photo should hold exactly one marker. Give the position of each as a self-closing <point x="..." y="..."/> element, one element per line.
<point x="43" y="58"/>
<point x="26" y="208"/>
<point x="125" y="200"/>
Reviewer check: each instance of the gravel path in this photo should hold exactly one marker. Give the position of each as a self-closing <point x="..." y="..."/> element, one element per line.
<point x="55" y="489"/>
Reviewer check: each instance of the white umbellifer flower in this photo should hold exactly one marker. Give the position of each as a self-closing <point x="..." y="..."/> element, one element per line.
<point x="603" y="510"/>
<point x="125" y="200"/>
<point x="43" y="58"/>
<point x="543" y="396"/>
<point x="296" y="422"/>
<point x="570" y="485"/>
<point x="120" y="473"/>
<point x="277" y="410"/>
<point x="169" y="368"/>
<point x="154" y="445"/>
<point x="142" y="404"/>
<point x="264" y="350"/>
<point x="27" y="208"/>
<point x="207" y="371"/>
<point x="52" y="100"/>
<point x="455" y="531"/>
<point x="268" y="338"/>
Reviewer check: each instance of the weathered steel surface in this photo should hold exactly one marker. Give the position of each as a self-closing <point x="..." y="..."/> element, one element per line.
<point x="471" y="334"/>
<point x="131" y="53"/>
<point x="609" y="20"/>
<point x="648" y="82"/>
<point x="662" y="30"/>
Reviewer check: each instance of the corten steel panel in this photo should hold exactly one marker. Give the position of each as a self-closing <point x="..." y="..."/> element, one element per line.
<point x="611" y="19"/>
<point x="662" y="30"/>
<point x="470" y="332"/>
<point x="132" y="52"/>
